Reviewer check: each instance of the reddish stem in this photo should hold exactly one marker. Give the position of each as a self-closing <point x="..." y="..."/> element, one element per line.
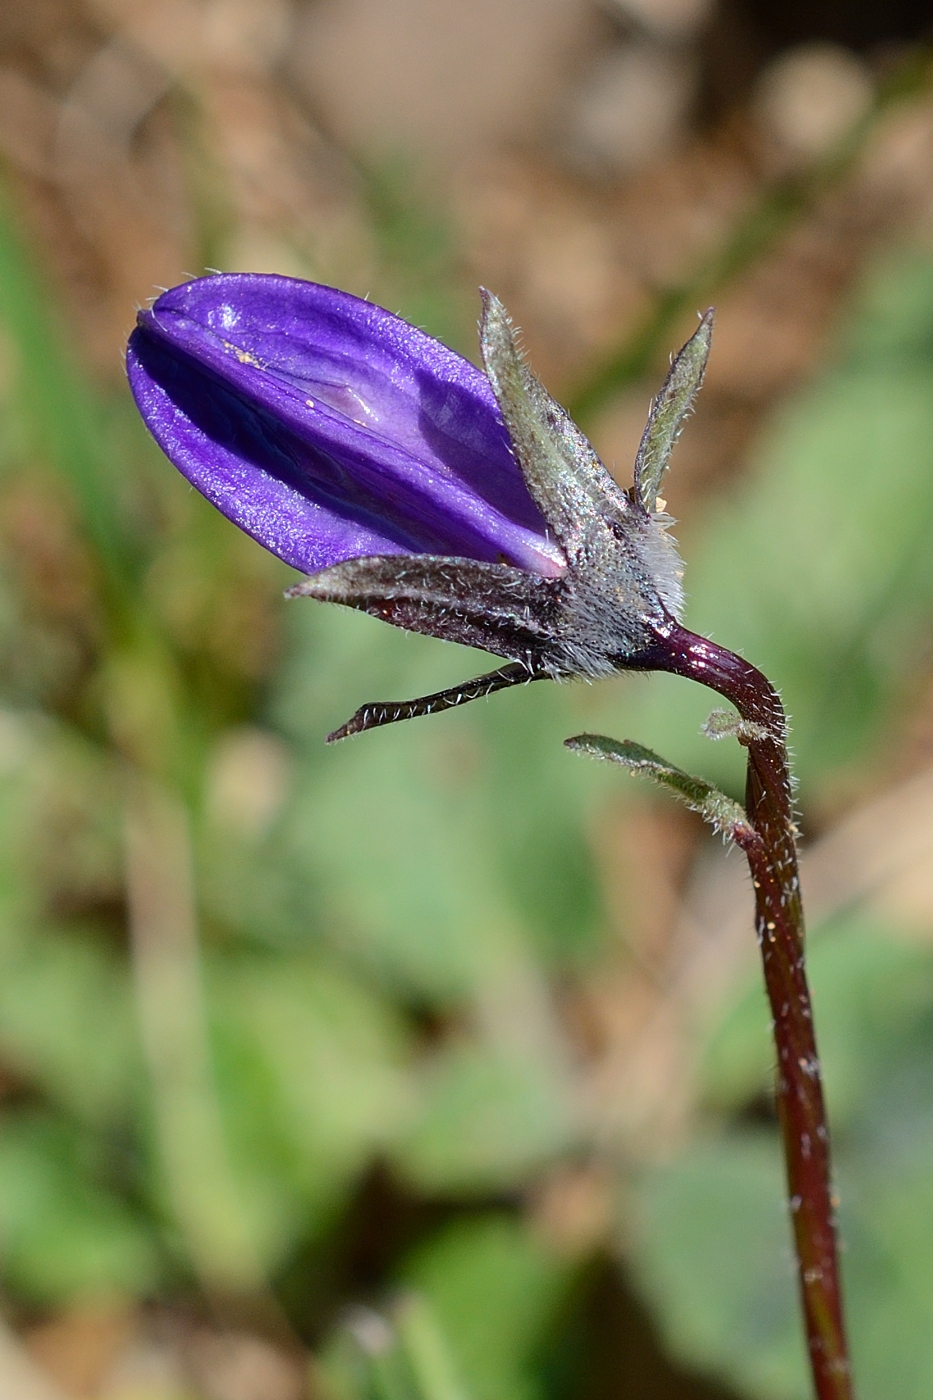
<point x="771" y="852"/>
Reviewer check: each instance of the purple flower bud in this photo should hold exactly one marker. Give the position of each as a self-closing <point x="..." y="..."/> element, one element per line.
<point x="329" y="429"/>
<point x="407" y="484"/>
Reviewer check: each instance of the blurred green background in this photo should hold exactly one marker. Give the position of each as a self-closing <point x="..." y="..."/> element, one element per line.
<point x="436" y="1066"/>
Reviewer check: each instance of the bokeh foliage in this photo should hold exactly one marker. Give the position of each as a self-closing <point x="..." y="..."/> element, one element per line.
<point x="366" y="940"/>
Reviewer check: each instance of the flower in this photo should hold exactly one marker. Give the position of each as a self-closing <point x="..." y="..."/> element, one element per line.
<point x="406" y="483"/>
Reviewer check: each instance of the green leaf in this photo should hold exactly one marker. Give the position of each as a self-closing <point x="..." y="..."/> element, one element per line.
<point x="66" y="1018"/>
<point x="401" y="1354"/>
<point x="489" y="1120"/>
<point x="712" y="1257"/>
<point x="495" y="1290"/>
<point x="66" y="1024"/>
<point x="439" y="852"/>
<point x="61" y="1234"/>
<point x="712" y="1252"/>
<point x="427" y="1350"/>
<point x="723" y="815"/>
<point x="311" y="1070"/>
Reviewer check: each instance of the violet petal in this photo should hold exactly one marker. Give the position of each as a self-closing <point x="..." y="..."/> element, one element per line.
<point x="330" y="429"/>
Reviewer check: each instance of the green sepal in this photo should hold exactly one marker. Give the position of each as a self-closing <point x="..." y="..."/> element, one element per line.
<point x="669" y="411"/>
<point x="562" y="471"/>
<point x="723" y="815"/>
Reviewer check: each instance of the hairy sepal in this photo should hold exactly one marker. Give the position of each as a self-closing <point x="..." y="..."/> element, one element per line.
<point x="621" y="560"/>
<point x="669" y="412"/>
<point x="494" y="607"/>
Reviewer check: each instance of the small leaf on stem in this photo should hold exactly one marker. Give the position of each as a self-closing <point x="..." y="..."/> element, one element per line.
<point x="723" y="815"/>
<point x="726" y="724"/>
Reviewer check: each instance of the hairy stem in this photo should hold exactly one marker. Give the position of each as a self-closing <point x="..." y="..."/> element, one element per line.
<point x="771" y="851"/>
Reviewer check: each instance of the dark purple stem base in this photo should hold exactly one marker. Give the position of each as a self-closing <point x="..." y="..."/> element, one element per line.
<point x="771" y="852"/>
